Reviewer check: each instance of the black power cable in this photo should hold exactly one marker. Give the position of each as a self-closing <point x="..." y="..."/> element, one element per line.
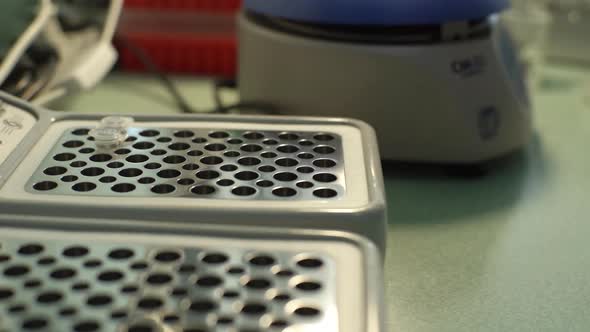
<point x="181" y="102"/>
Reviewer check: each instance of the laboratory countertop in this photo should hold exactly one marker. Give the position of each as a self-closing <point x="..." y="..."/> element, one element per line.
<point x="508" y="250"/>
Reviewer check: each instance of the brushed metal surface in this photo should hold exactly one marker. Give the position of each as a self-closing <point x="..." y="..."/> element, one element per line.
<point x="52" y="285"/>
<point x="217" y="164"/>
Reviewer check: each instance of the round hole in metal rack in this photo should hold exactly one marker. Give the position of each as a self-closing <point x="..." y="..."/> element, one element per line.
<point x="258" y="283"/>
<point x="325" y="177"/>
<point x="225" y="320"/>
<point x="69" y="311"/>
<point x="64" y="156"/>
<point x="184" y="134"/>
<point x="87" y="150"/>
<point x="285" y="176"/>
<point x="249" y="161"/>
<point x="179" y="146"/>
<point x="195" y="153"/>
<point x="78" y="163"/>
<point x="55" y="170"/>
<point x="92" y="171"/>
<point x="270" y="142"/>
<point x="282" y="297"/>
<point x="225" y="182"/>
<point x="228" y="294"/>
<point x="305" y="155"/>
<point x="34" y="283"/>
<point x="75" y="251"/>
<point x="34" y="323"/>
<point x="6" y="293"/>
<point x="63" y="273"/>
<point x="243" y="191"/>
<point x="80" y="286"/>
<point x="168" y="256"/>
<point x="262" y="260"/>
<point x="323" y="137"/>
<point x="284" y="192"/>
<point x="140" y="328"/>
<point x="179" y="292"/>
<point x="219" y="134"/>
<point x="325" y="193"/>
<point x="288" y="136"/>
<point x="118" y="314"/>
<point x="130" y="172"/>
<point x="150" y="303"/>
<point x="308" y="286"/>
<point x="158" y="152"/>
<point x="246" y="175"/>
<point x="265" y="183"/>
<point x="267" y="168"/>
<point x="169" y="173"/>
<point x="99" y="300"/>
<point x="287" y="148"/>
<point x="129" y="289"/>
<point x="234" y="141"/>
<point x="159" y="278"/>
<point x="305" y="170"/>
<point x="231" y="154"/>
<point x="4" y="258"/>
<point x="122" y="151"/>
<point x="101" y="157"/>
<point x="84" y="187"/>
<point x="107" y="179"/>
<point x="251" y="148"/>
<point x="163" y="189"/>
<point x="268" y="155"/>
<point x="131" y="139"/>
<point x="190" y="167"/>
<point x="287" y="162"/>
<point x="203" y="190"/>
<point x="305" y="142"/>
<point x="17" y="308"/>
<point x="305" y="184"/>
<point x="30" y="249"/>
<point x="278" y="324"/>
<point x="324" y="163"/>
<point x="175" y="159"/>
<point x="92" y="263"/>
<point x="199" y="140"/>
<point x="187" y="268"/>
<point x="152" y="166"/>
<point x="203" y="306"/>
<point x="171" y="318"/>
<point x="115" y="164"/>
<point x="229" y="168"/>
<point x="185" y="182"/>
<point x="254" y="309"/>
<point x="209" y="281"/>
<point x="143" y="145"/>
<point x="324" y="149"/>
<point x="211" y="160"/>
<point x="73" y="144"/>
<point x="253" y="135"/>
<point x="306" y="312"/>
<point x="49" y="297"/>
<point x="138" y="266"/>
<point x="310" y="263"/>
<point x="146" y="180"/>
<point x="69" y="178"/>
<point x="45" y="185"/>
<point x="236" y="270"/>
<point x="149" y="133"/>
<point x="121" y="253"/>
<point x="208" y="174"/>
<point x="81" y="131"/>
<point x="215" y="258"/>
<point x="164" y="139"/>
<point x="137" y="158"/>
<point x="46" y="261"/>
<point x="87" y="326"/>
<point x="215" y="147"/>
<point x="110" y="276"/>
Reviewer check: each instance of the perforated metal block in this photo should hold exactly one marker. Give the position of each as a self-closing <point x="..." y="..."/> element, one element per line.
<point x="213" y="163"/>
<point x="273" y="172"/>
<point x="64" y="281"/>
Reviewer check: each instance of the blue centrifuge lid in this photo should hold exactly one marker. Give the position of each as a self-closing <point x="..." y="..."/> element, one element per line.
<point x="377" y="12"/>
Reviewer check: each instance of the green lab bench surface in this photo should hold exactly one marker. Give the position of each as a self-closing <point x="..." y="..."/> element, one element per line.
<point x="507" y="250"/>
